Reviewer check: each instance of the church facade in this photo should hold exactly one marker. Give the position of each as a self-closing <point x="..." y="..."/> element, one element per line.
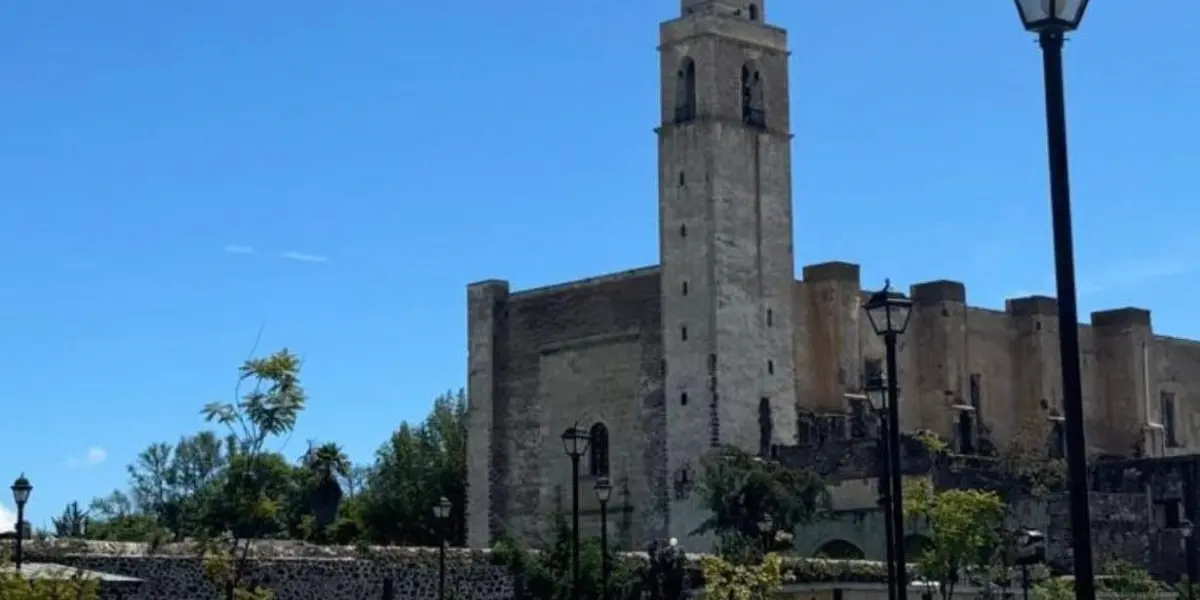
<point x="720" y="343"/>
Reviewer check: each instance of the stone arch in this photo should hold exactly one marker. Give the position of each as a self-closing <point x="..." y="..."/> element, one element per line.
<point x="840" y="549"/>
<point x="916" y="544"/>
<point x="598" y="455"/>
<point x="753" y="108"/>
<point x="685" y="91"/>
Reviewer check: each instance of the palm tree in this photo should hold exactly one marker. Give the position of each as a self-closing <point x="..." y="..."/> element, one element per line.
<point x="325" y="465"/>
<point x="72" y="523"/>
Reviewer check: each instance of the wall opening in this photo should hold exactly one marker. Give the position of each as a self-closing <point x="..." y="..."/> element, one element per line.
<point x="753" y="12"/>
<point x="753" y="112"/>
<point x="685" y="91"/>
<point x="839" y="549"/>
<point x="598" y="450"/>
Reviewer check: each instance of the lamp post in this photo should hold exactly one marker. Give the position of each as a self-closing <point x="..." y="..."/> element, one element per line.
<point x="766" y="526"/>
<point x="575" y="442"/>
<point x="20" y="491"/>
<point x="889" y="311"/>
<point x="603" y="494"/>
<point x="876" y="392"/>
<point x="1030" y="549"/>
<point x="1189" y="549"/>
<point x="441" y="511"/>
<point x="1051" y="20"/>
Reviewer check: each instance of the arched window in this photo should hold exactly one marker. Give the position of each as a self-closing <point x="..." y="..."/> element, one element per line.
<point x="753" y="12"/>
<point x="598" y="464"/>
<point x="839" y="549"/>
<point x="685" y="91"/>
<point x="752" y="97"/>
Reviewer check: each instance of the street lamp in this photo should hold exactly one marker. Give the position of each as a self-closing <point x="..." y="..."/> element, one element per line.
<point x="766" y="526"/>
<point x="1189" y="549"/>
<point x="1051" y="20"/>
<point x="441" y="511"/>
<point x="20" y="491"/>
<point x="1030" y="549"/>
<point x="889" y="311"/>
<point x="876" y="394"/>
<point x="603" y="494"/>
<point x="575" y="442"/>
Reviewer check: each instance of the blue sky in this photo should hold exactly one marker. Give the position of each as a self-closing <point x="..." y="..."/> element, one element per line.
<point x="175" y="174"/>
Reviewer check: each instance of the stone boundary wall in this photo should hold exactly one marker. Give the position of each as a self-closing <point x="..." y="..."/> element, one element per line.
<point x="292" y="570"/>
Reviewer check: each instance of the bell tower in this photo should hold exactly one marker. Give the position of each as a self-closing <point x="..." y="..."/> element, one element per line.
<point x="725" y="241"/>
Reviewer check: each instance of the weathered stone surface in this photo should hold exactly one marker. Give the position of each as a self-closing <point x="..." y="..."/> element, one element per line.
<point x="294" y="571"/>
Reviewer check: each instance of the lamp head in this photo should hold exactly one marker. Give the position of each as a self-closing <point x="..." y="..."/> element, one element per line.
<point x="603" y="489"/>
<point x="21" y="490"/>
<point x="876" y="392"/>
<point x="888" y="310"/>
<point x="1051" y="16"/>
<point x="575" y="441"/>
<point x="441" y="510"/>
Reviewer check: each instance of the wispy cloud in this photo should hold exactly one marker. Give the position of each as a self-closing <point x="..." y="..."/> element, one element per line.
<point x="303" y="257"/>
<point x="237" y="249"/>
<point x="1118" y="275"/>
<point x="94" y="456"/>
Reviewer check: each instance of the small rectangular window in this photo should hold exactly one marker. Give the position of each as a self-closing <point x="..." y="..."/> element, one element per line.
<point x="976" y="389"/>
<point x="770" y="367"/>
<point x="770" y="317"/>
<point x="682" y="179"/>
<point x="684" y="287"/>
<point x="683" y="333"/>
<point x="683" y="399"/>
<point x="1166" y="410"/>
<point x="683" y="231"/>
<point x="872" y="372"/>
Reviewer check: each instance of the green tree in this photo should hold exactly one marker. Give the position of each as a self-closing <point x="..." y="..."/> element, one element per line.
<point x="1118" y="580"/>
<point x="547" y="575"/>
<point x="115" y="518"/>
<point x="741" y="490"/>
<point x="72" y="523"/>
<point x="963" y="528"/>
<point x="255" y="483"/>
<point x="413" y="469"/>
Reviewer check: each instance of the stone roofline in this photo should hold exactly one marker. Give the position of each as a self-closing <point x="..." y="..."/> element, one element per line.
<point x="923" y="293"/>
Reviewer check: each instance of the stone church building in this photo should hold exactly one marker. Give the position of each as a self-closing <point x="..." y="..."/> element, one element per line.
<point x="720" y="343"/>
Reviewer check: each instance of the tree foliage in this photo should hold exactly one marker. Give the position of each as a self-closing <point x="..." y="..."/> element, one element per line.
<point x="723" y="579"/>
<point x="232" y="485"/>
<point x="964" y="528"/>
<point x="1118" y="580"/>
<point x="742" y="491"/>
<point x="547" y="575"/>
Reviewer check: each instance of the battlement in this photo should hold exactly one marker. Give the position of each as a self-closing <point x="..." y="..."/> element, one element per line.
<point x="831" y="271"/>
<point x="1031" y="306"/>
<point x="937" y="292"/>
<point x="1121" y="318"/>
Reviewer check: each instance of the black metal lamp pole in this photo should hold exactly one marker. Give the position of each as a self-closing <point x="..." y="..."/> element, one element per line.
<point x="1052" y="20"/>
<point x="876" y="392"/>
<point x="441" y="512"/>
<point x="1030" y="548"/>
<point x="603" y="494"/>
<point x="575" y="441"/>
<point x="889" y="311"/>
<point x="20" y="491"/>
<point x="766" y="527"/>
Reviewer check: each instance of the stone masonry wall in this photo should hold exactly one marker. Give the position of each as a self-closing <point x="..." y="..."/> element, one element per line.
<point x="293" y="571"/>
<point x="583" y="353"/>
